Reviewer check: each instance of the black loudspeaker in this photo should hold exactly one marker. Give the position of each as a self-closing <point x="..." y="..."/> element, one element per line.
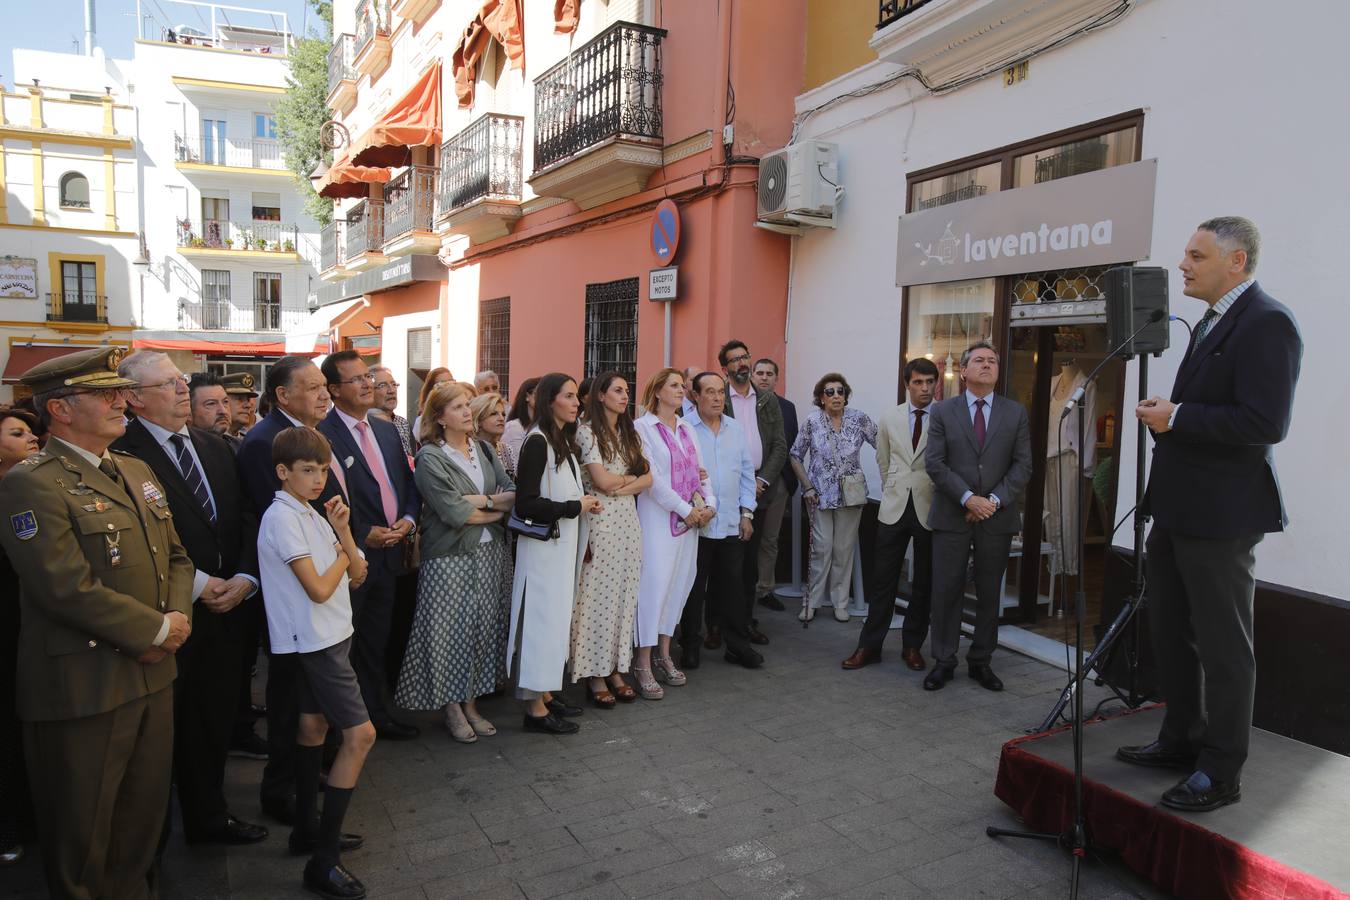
<point x="1132" y="295"/>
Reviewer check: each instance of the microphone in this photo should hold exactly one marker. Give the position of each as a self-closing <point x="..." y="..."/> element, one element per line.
<point x="1077" y="397"/>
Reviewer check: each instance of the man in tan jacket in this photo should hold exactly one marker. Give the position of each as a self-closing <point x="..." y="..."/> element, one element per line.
<point x="907" y="493"/>
<point x="105" y="602"/>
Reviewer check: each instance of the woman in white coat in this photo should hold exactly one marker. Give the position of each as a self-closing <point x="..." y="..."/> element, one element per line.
<point x="671" y="512"/>
<point x="548" y="490"/>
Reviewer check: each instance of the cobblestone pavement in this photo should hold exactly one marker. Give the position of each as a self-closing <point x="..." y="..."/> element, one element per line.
<point x="797" y="780"/>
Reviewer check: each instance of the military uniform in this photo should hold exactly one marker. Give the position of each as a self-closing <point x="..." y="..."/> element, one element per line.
<point x="237" y="384"/>
<point x="100" y="565"/>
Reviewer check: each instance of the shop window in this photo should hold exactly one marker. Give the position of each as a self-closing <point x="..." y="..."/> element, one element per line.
<point x="945" y="319"/>
<point x="494" y="339"/>
<point x="74" y="191"/>
<point x="611" y="329"/>
<point x="1103" y="151"/>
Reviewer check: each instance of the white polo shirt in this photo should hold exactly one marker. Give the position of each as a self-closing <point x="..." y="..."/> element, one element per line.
<point x="292" y="530"/>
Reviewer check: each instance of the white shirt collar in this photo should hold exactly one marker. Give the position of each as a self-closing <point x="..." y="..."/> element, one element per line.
<point x="294" y="421"/>
<point x="298" y="505"/>
<point x="162" y="434"/>
<point x="971" y="398"/>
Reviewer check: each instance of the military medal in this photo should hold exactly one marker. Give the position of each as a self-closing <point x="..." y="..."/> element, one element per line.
<point x="152" y="494"/>
<point x="97" y="506"/>
<point x="114" y="552"/>
<point x="80" y="489"/>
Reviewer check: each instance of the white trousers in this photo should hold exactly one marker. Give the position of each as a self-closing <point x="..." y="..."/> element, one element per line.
<point x="834" y="540"/>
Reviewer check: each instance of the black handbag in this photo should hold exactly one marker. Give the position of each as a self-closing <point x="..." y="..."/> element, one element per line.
<point x="539" y="531"/>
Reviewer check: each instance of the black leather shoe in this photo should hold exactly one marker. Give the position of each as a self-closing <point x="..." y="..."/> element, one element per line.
<point x="335" y="882"/>
<point x="247" y="745"/>
<point x="563" y="709"/>
<point x="689" y="656"/>
<point x="985" y="678"/>
<point x="281" y="810"/>
<point x="1187" y="799"/>
<point x="302" y="846"/>
<point x="757" y="636"/>
<point x="1156" y="756"/>
<point x="769" y="601"/>
<point x="396" y="731"/>
<point x="550" y="724"/>
<point x="232" y="831"/>
<point x="935" y="679"/>
<point x="743" y="655"/>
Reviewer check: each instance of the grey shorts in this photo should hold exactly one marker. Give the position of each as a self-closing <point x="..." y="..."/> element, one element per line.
<point x="328" y="687"/>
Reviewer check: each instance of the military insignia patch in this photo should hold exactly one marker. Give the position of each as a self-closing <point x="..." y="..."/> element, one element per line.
<point x="25" y="524"/>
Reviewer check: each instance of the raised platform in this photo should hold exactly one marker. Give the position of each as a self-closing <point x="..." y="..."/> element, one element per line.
<point x="1286" y="839"/>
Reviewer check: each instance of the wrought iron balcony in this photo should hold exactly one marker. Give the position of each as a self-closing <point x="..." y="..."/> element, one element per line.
<point x="894" y="10"/>
<point x="482" y="162"/>
<point x="372" y="21"/>
<point x="223" y="315"/>
<point x="220" y="234"/>
<point x="76" y="306"/>
<point x="229" y="152"/>
<point x="332" y="245"/>
<point x="608" y="88"/>
<point x="365" y="228"/>
<point x="341" y="69"/>
<point x="410" y="202"/>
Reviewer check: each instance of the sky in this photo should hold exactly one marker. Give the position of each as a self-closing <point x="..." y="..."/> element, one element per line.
<point x="59" y="24"/>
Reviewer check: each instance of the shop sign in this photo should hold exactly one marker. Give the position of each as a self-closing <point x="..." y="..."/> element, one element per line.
<point x="1099" y="218"/>
<point x="18" y="277"/>
<point x="662" y="284"/>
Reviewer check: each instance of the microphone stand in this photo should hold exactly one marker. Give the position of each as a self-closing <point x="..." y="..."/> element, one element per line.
<point x="1074" y="838"/>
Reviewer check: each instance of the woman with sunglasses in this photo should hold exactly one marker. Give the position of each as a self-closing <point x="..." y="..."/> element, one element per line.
<point x="825" y="459"/>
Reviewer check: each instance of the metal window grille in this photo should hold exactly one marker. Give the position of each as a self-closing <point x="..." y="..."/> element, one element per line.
<point x="266" y="301"/>
<point x="419" y="366"/>
<point x="494" y="339"/>
<point x="611" y="328"/>
<point x="1075" y="159"/>
<point x="892" y="10"/>
<point x="215" y="311"/>
<point x="481" y="161"/>
<point x="965" y="192"/>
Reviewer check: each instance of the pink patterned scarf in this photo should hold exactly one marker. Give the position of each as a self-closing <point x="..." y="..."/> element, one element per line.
<point x="684" y="478"/>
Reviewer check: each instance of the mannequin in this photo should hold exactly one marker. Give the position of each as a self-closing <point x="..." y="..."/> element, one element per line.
<point x="1061" y="467"/>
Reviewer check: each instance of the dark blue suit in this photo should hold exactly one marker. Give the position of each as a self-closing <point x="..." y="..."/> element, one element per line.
<point x="790" y="432"/>
<point x="1213" y="495"/>
<point x="373" y="602"/>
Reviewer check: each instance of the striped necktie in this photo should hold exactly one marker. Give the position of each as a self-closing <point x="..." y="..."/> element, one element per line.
<point x="196" y="482"/>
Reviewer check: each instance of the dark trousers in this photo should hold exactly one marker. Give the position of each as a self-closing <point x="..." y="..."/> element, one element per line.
<point x="888" y="558"/>
<point x="750" y="565"/>
<point x="1200" y="598"/>
<point x="283" y="722"/>
<point x="718" y="592"/>
<point x="951" y="551"/>
<point x="372" y="617"/>
<point x="205" y="697"/>
<point x="252" y="622"/>
<point x="102" y="786"/>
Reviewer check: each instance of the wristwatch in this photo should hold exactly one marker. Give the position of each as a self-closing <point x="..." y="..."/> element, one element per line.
<point x="489" y="500"/>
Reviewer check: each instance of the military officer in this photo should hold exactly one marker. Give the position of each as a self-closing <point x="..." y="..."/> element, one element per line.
<point x="239" y="387"/>
<point x="106" y="599"/>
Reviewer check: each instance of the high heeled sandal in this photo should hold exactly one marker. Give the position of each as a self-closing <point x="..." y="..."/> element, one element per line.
<point x="460" y="729"/>
<point x="603" y="699"/>
<point x="623" y="691"/>
<point x="647" y="685"/>
<point x="664" y="667"/>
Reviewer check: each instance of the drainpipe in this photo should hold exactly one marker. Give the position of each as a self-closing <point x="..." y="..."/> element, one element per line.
<point x="88" y="27"/>
<point x="724" y="70"/>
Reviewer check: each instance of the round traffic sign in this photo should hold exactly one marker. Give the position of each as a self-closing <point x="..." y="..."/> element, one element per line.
<point x="665" y="232"/>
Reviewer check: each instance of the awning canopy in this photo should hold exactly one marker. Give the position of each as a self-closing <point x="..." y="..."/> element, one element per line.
<point x="231" y="348"/>
<point x="565" y="16"/>
<point x="347" y="181"/>
<point x="500" y="19"/>
<point x="414" y="121"/>
<point x="317" y="325"/>
<point x="23" y="357"/>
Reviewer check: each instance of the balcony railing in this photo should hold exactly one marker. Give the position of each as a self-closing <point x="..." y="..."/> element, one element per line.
<point x="482" y="162"/>
<point x="340" y="58"/>
<point x="76" y="306"/>
<point x="219" y="234"/>
<point x="894" y="10"/>
<point x="228" y="152"/>
<point x="372" y="18"/>
<point x="365" y="228"/>
<point x="332" y="245"/>
<point x="222" y="315"/>
<point x="610" y="87"/>
<point x="410" y="201"/>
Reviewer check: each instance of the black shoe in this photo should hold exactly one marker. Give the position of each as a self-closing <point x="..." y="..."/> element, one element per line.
<point x="396" y="731"/>
<point x="232" y="831"/>
<point x="743" y="655"/>
<point x="757" y="636"/>
<point x="563" y="709"/>
<point x="335" y="882"/>
<point x="985" y="678"/>
<point x="689" y="656"/>
<point x="299" y="845"/>
<point x="935" y="679"/>
<point x="550" y="724"/>
<point x="248" y="745"/>
<point x="10" y="854"/>
<point x="282" y="810"/>
<point x="1188" y="799"/>
<point x="769" y="601"/>
<point x="1156" y="756"/>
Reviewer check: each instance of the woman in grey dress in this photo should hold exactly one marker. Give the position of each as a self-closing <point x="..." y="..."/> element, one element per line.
<point x="457" y="649"/>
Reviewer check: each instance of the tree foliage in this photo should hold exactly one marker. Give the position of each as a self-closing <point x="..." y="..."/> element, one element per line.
<point x="303" y="110"/>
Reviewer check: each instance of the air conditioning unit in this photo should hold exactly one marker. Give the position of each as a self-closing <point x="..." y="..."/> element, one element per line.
<point x="799" y="186"/>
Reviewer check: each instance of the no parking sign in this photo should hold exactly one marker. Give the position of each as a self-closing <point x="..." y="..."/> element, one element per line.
<point x="665" y="231"/>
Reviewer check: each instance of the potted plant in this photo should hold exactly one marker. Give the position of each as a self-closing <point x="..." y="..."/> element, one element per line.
<point x="198" y="243"/>
<point x="289" y="246"/>
<point x="247" y="240"/>
<point x="262" y="244"/>
<point x="229" y="243"/>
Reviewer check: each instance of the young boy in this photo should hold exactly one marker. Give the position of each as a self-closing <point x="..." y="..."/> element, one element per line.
<point x="307" y="565"/>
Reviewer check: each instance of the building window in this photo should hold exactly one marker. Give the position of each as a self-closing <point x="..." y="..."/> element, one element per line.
<point x="266" y="301"/>
<point x="74" y="191"/>
<point x="265" y="126"/>
<point x="216" y="222"/>
<point x="213" y="142"/>
<point x="215" y="299"/>
<point x="419" y="366"/>
<point x="1103" y="151"/>
<point x="611" y="329"/>
<point x="494" y="339"/>
<point x="79" y="292"/>
<point x="266" y="206"/>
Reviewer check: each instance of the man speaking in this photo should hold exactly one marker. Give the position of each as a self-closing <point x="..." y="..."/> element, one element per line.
<point x="1213" y="495"/>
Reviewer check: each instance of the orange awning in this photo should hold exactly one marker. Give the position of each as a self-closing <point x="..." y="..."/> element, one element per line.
<point x="349" y="181"/>
<point x="414" y="121"/>
<point x="565" y="14"/>
<point x="23" y="357"/>
<point x="231" y="348"/>
<point x="500" y="19"/>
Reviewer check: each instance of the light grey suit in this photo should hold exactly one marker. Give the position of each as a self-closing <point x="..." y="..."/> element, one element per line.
<point x="957" y="463"/>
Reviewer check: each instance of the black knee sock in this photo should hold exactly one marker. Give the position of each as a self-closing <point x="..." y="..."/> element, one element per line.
<point x="307" y="763"/>
<point x="335" y="802"/>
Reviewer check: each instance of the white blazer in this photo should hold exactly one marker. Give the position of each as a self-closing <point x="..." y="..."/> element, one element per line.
<point x="902" y="471"/>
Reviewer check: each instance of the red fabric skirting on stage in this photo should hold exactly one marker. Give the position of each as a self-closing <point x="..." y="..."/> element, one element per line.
<point x="1179" y="856"/>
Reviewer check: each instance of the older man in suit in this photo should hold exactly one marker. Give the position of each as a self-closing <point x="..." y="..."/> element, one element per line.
<point x="385" y="505"/>
<point x="906" y="498"/>
<point x="1213" y="495"/>
<point x="979" y="457"/>
<point x="106" y="598"/>
<point x="197" y="470"/>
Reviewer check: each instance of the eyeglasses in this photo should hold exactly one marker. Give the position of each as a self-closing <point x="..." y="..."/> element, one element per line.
<point x="357" y="379"/>
<point x="733" y="360"/>
<point x="834" y="392"/>
<point x="176" y="382"/>
<point x="387" y="385"/>
<point x="107" y="395"/>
